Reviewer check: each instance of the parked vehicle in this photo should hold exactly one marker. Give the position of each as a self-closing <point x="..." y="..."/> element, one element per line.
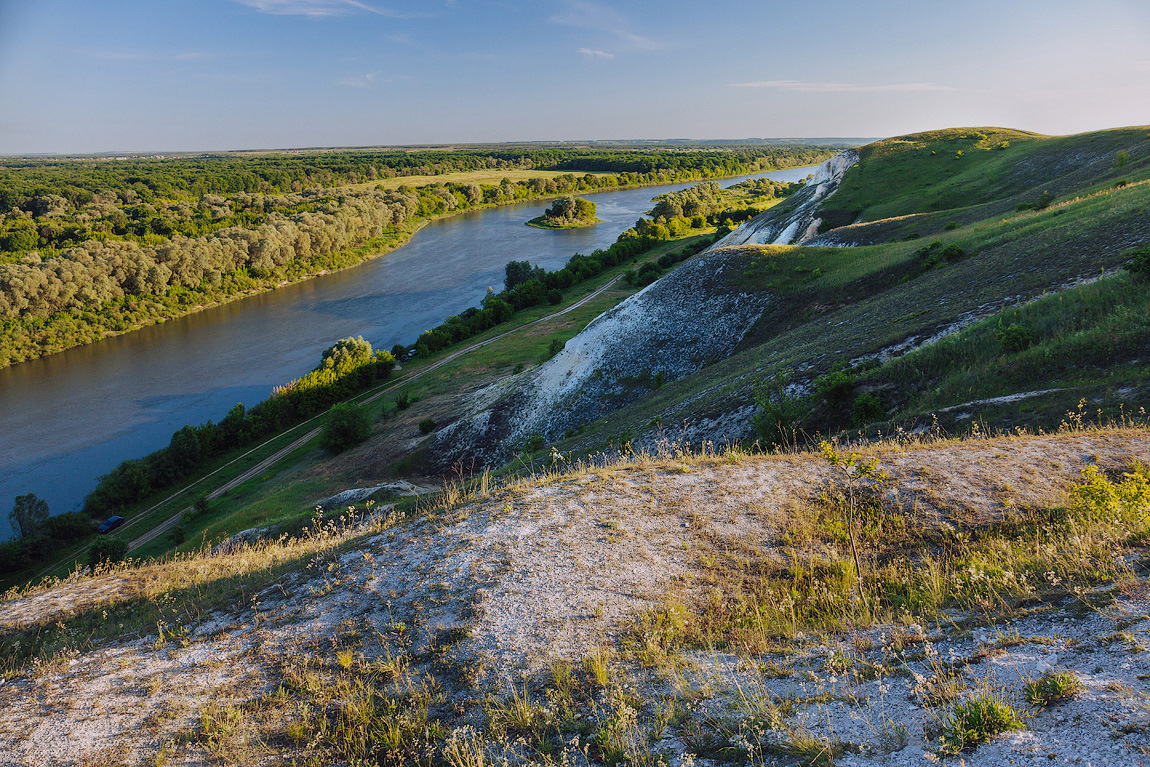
<point x="109" y="524"/>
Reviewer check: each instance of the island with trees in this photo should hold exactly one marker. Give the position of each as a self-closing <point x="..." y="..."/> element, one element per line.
<point x="568" y="212"/>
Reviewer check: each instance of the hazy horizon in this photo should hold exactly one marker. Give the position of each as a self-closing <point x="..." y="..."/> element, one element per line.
<point x="161" y="76"/>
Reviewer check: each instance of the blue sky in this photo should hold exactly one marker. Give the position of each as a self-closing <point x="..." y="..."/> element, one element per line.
<point x="167" y="75"/>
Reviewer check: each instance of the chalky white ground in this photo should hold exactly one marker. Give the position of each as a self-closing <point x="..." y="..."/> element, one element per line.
<point x="558" y="569"/>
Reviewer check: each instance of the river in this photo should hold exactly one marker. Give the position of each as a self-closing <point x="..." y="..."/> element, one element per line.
<point x="67" y="418"/>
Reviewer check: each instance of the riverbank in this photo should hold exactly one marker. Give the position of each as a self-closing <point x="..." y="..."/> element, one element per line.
<point x="78" y="414"/>
<point x="33" y="337"/>
<point x="230" y="481"/>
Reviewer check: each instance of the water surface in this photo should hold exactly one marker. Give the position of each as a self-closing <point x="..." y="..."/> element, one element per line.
<point x="67" y="418"/>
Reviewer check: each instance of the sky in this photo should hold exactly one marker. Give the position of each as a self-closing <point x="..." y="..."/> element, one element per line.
<point x="190" y="75"/>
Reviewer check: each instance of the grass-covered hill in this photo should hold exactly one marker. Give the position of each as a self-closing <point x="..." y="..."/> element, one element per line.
<point x="975" y="173"/>
<point x="1014" y="255"/>
<point x="927" y="593"/>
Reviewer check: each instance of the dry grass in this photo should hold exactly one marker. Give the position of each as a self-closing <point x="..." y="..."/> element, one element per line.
<point x="573" y="614"/>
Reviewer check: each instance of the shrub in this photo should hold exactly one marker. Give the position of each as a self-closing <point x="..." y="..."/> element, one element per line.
<point x="779" y="413"/>
<point x="1121" y="159"/>
<point x="201" y="507"/>
<point x="1139" y="263"/>
<point x="346" y="425"/>
<point x="976" y="721"/>
<point x="1052" y="688"/>
<point x="554" y="347"/>
<point x="953" y="253"/>
<point x="554" y="296"/>
<point x="69" y="527"/>
<point x="426" y="426"/>
<point x="107" y="550"/>
<point x="1014" y="338"/>
<point x="866" y="408"/>
<point x="403" y="401"/>
<point x="533" y="443"/>
<point x="836" y="387"/>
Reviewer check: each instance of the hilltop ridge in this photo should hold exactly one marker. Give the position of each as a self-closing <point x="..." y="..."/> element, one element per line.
<point x="427" y="617"/>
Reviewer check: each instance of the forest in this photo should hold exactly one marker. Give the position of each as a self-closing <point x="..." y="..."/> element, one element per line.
<point x="92" y="246"/>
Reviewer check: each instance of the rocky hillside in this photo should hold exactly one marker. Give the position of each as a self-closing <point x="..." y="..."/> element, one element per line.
<point x="607" y="615"/>
<point x="673" y="327"/>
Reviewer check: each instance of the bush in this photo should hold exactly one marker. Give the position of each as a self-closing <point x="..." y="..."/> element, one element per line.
<point x="554" y="296"/>
<point x="107" y="550"/>
<point x="346" y="425"/>
<point x="426" y="426"/>
<point x="1139" y="263"/>
<point x="867" y="408"/>
<point x="69" y="527"/>
<point x="1014" y="338"/>
<point x="779" y="413"/>
<point x="836" y="387"/>
<point x="554" y="347"/>
<point x="403" y="400"/>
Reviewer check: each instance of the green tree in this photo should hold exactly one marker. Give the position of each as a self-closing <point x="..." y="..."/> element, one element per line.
<point x="28" y="514"/>
<point x="852" y="474"/>
<point x="780" y="413"/>
<point x="1139" y="263"/>
<point x="346" y="425"/>
<point x="345" y="351"/>
<point x="107" y="550"/>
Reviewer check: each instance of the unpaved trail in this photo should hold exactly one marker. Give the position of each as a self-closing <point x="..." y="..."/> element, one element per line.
<point x="276" y="457"/>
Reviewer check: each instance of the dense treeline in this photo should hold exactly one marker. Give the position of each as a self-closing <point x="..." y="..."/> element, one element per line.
<point x="709" y="200"/>
<point x="96" y="248"/>
<point x="528" y="286"/>
<point x="347" y="368"/>
<point x="79" y="180"/>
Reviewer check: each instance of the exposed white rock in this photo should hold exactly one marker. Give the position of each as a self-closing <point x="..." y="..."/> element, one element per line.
<point x="668" y="330"/>
<point x="797" y="220"/>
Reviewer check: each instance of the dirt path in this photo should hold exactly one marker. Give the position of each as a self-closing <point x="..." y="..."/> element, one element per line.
<point x="279" y="455"/>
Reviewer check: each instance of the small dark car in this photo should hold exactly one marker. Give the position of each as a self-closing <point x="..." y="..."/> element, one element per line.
<point x="111" y="523"/>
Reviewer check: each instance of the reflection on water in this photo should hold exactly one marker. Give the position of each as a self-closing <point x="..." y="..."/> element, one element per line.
<point x="70" y="417"/>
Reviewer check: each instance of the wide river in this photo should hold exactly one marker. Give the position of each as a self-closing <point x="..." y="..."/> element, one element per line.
<point x="67" y="418"/>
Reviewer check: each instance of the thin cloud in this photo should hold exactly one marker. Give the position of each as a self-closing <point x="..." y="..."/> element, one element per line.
<point x="149" y="56"/>
<point x="595" y="54"/>
<point x="368" y="80"/>
<point x="318" y="8"/>
<point x="801" y="86"/>
<point x="599" y="18"/>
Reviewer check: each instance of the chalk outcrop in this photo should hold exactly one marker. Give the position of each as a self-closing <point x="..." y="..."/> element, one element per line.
<point x="672" y="328"/>
<point x="796" y="221"/>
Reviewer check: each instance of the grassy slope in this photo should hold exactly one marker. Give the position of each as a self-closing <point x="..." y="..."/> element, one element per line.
<point x="284" y="497"/>
<point x="860" y="300"/>
<point x="870" y="297"/>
